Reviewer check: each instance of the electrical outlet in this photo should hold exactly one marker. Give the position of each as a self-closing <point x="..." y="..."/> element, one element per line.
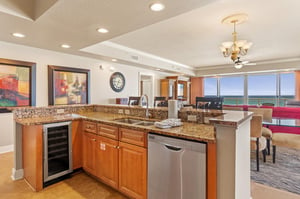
<point x="61" y="110"/>
<point x="192" y="118"/>
<point x="206" y="120"/>
<point x="127" y="111"/>
<point x="120" y="111"/>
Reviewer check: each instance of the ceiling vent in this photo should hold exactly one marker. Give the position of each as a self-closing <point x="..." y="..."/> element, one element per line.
<point x="135" y="57"/>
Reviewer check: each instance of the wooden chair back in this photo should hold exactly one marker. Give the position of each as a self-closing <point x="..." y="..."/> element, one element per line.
<point x="265" y="112"/>
<point x="256" y="126"/>
<point x="133" y="100"/>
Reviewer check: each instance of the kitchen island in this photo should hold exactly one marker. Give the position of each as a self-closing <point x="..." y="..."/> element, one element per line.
<point x="226" y="137"/>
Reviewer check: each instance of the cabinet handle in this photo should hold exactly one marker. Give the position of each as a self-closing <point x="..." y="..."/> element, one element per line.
<point x="94" y="139"/>
<point x="117" y="147"/>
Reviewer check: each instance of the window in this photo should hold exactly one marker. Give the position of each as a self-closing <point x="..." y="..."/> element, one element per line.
<point x="262" y="89"/>
<point x="211" y="86"/>
<point x="232" y="89"/>
<point x="274" y="88"/>
<point x="287" y="87"/>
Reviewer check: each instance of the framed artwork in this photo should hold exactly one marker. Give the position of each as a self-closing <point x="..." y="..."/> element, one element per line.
<point x="68" y="85"/>
<point x="17" y="83"/>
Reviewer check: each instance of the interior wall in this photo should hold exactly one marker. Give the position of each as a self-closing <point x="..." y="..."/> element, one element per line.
<point x="100" y="91"/>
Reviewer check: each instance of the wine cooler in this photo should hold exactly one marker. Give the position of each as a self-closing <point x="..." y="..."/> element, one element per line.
<point x="57" y="151"/>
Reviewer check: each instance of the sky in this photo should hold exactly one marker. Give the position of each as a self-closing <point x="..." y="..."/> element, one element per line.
<point x="264" y="85"/>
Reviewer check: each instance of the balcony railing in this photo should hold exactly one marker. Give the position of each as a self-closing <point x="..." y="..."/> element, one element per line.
<point x="257" y="100"/>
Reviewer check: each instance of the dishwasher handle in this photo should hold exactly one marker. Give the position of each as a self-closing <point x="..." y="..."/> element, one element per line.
<point x="173" y="148"/>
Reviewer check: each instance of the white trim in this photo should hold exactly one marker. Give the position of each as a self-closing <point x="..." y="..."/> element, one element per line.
<point x="7" y="148"/>
<point x="17" y="174"/>
<point x="142" y="53"/>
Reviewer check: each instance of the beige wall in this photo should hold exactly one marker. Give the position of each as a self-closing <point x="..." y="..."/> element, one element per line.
<point x="100" y="91"/>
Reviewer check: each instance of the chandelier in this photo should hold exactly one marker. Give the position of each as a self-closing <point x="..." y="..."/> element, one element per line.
<point x="235" y="48"/>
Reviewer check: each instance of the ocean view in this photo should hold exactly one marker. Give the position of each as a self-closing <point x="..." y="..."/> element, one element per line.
<point x="255" y="100"/>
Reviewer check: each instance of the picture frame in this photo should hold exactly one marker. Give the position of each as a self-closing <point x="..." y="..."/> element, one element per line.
<point x="68" y="85"/>
<point x="17" y="83"/>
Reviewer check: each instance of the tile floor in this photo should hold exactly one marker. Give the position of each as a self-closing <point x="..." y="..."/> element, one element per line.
<point x="81" y="186"/>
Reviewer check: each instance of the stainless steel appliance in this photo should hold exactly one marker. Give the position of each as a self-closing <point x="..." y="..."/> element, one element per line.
<point x="57" y="150"/>
<point x="176" y="168"/>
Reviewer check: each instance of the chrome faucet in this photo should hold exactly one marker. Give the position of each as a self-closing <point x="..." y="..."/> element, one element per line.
<point x="147" y="104"/>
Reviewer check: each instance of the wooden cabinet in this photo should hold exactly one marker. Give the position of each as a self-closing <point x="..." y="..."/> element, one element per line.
<point x="107" y="161"/>
<point x="108" y="131"/>
<point x="89" y="152"/>
<point x="133" y="163"/>
<point x="176" y="88"/>
<point x="32" y="147"/>
<point x="77" y="144"/>
<point x="118" y="157"/>
<point x="90" y="127"/>
<point x="133" y="170"/>
<point x="130" y="136"/>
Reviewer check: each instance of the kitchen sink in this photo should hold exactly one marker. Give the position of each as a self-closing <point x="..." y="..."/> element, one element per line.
<point x="145" y="123"/>
<point x="135" y="121"/>
<point x="128" y="120"/>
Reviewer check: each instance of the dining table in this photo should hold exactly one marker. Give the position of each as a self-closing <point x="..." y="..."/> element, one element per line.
<point x="280" y="121"/>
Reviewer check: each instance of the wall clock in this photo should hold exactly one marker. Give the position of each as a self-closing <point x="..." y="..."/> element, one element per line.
<point x="117" y="81"/>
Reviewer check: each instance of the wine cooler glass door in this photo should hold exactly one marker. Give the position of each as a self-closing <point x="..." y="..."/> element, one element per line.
<point x="57" y="150"/>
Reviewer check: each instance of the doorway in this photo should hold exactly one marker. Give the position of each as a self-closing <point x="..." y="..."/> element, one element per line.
<point x="146" y="87"/>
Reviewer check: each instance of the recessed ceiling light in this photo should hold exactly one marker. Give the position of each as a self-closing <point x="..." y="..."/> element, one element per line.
<point x="156" y="7"/>
<point x="157" y="69"/>
<point x="114" y="60"/>
<point x="102" y="30"/>
<point x="16" y="34"/>
<point x="65" y="46"/>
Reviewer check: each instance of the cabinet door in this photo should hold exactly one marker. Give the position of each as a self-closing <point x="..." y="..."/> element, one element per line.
<point x="77" y="144"/>
<point x="107" y="159"/>
<point x="89" y="152"/>
<point x="132" y="170"/>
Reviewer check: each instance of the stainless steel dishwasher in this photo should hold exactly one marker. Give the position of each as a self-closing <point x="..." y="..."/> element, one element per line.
<point x="176" y="168"/>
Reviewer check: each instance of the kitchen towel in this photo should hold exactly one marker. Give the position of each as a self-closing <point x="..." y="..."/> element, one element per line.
<point x="172" y="109"/>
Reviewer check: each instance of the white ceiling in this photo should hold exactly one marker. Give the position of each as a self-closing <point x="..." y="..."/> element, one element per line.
<point x="183" y="38"/>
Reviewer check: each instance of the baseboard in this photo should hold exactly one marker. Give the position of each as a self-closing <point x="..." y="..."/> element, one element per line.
<point x="17" y="174"/>
<point x="7" y="148"/>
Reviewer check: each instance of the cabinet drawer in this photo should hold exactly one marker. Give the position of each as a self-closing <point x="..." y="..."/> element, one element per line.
<point x="133" y="137"/>
<point x="89" y="127"/>
<point x="108" y="131"/>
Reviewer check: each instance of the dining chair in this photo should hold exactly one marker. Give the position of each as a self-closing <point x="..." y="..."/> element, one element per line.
<point x="258" y="142"/>
<point x="133" y="100"/>
<point x="160" y="101"/>
<point x="209" y="102"/>
<point x="232" y="108"/>
<point x="267" y="117"/>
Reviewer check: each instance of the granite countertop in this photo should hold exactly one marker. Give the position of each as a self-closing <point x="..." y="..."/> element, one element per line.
<point x="231" y="118"/>
<point x="194" y="131"/>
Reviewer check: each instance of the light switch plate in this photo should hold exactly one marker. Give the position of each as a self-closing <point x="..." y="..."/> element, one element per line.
<point x="206" y="120"/>
<point x="127" y="111"/>
<point x="192" y="118"/>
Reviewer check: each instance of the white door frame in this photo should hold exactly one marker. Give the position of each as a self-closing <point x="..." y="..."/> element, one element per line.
<point x="151" y="95"/>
